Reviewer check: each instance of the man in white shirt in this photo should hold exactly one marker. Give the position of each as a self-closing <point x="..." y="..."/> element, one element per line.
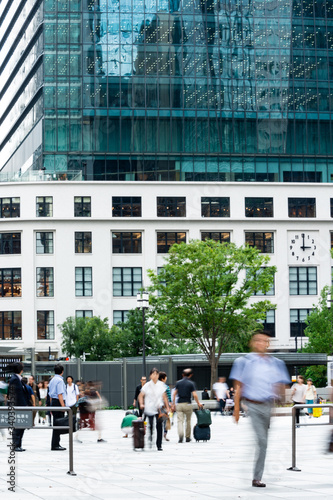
<point x="151" y="399"/>
<point x="221" y="391"/>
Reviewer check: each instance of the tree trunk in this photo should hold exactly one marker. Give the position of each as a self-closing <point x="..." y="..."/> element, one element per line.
<point x="213" y="373"/>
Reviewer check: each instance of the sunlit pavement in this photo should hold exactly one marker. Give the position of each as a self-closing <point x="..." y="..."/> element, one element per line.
<point x="220" y="468"/>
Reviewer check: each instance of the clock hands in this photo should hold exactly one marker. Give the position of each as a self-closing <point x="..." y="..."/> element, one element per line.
<point x="303" y="247"/>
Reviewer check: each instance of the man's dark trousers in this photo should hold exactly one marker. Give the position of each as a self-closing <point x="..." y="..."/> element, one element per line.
<point x="159" y="429"/>
<point x="56" y="414"/>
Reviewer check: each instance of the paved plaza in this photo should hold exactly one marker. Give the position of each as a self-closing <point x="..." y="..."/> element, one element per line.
<point x="220" y="468"/>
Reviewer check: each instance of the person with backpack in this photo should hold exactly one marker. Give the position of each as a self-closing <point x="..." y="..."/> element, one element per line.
<point x="259" y="379"/>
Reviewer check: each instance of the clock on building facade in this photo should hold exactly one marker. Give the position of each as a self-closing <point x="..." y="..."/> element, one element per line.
<point x="302" y="247"/>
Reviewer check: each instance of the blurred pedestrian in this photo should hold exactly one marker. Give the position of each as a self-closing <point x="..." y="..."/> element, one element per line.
<point x="310" y="396"/>
<point x="138" y="388"/>
<point x="18" y="395"/>
<point x="43" y="396"/>
<point x="166" y="423"/>
<point x="184" y="389"/>
<point x="151" y="399"/>
<point x="259" y="379"/>
<point x="72" y="394"/>
<point x="221" y="391"/>
<point x="298" y="394"/>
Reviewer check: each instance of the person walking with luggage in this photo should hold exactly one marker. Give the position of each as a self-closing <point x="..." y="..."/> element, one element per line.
<point x="151" y="399"/>
<point x="184" y="389"/>
<point x="18" y="395"/>
<point x="259" y="379"/>
<point x="298" y="395"/>
<point x="57" y="391"/>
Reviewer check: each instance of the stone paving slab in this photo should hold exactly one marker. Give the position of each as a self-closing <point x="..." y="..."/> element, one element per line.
<point x="220" y="468"/>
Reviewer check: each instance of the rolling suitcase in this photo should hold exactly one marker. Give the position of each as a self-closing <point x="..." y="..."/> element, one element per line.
<point x="201" y="433"/>
<point x="138" y="434"/>
<point x="204" y="418"/>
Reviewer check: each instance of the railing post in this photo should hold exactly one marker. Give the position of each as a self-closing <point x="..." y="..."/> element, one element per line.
<point x="293" y="441"/>
<point x="70" y="423"/>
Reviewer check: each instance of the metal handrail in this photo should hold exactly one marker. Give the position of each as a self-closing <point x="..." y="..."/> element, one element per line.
<point x="57" y="427"/>
<point x="293" y="428"/>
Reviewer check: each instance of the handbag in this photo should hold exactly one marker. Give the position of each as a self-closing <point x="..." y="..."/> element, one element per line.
<point x="162" y="414"/>
<point x="64" y="421"/>
<point x="204" y="418"/>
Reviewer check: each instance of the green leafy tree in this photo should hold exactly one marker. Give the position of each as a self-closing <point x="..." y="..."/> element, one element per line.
<point x="319" y="323"/>
<point x="87" y="335"/>
<point x="203" y="294"/>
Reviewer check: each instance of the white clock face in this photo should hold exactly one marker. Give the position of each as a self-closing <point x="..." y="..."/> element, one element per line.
<point x="302" y="246"/>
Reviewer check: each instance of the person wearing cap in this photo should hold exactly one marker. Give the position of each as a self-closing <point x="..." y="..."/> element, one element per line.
<point x="259" y="379"/>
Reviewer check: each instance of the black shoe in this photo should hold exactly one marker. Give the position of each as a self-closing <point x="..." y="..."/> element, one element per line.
<point x="58" y="448"/>
<point x="180" y="440"/>
<point x="188" y="440"/>
<point x="101" y="441"/>
<point x="258" y="484"/>
<point x="18" y="448"/>
<point x="159" y="449"/>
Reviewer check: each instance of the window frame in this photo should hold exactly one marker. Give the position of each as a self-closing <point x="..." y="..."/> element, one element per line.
<point x="11" y="242"/>
<point x="12" y="284"/>
<point x="253" y="210"/>
<point x="166" y="246"/>
<point x="135" y="285"/>
<point x="122" y="242"/>
<point x="220" y="240"/>
<point x="299" y="281"/>
<point x="167" y="206"/>
<point x="223" y="206"/>
<point x="80" y="242"/>
<point x="84" y="315"/>
<point x="85" y="282"/>
<point x="12" y="325"/>
<point x="47" y="240"/>
<point x="44" y="207"/>
<point x="44" y="282"/>
<point x="80" y="206"/>
<point x="298" y="322"/>
<point x="264" y="240"/>
<point x="298" y="206"/>
<point x="14" y="207"/>
<point x="48" y="326"/>
<point x="126" y="206"/>
<point x="124" y="314"/>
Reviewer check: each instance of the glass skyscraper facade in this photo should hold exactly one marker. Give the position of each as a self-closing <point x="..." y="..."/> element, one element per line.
<point x="183" y="90"/>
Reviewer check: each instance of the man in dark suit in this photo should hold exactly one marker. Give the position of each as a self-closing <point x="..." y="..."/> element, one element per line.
<point x="18" y="395"/>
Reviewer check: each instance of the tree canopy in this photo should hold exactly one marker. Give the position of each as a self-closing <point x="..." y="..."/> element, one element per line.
<point x="203" y="294"/>
<point x="319" y="323"/>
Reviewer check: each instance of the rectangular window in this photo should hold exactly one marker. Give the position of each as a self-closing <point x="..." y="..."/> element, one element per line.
<point x="126" y="242"/>
<point x="83" y="314"/>
<point x="264" y="242"/>
<point x="171" y="206"/>
<point x="127" y="281"/>
<point x="10" y="325"/>
<point x="82" y="206"/>
<point x="258" y="207"/>
<point x="222" y="237"/>
<point x="126" y="206"/>
<point x="119" y="317"/>
<point x="45" y="282"/>
<point x="10" y="282"/>
<point x="269" y="323"/>
<point x="9" y="207"/>
<point x="45" y="325"/>
<point x="303" y="281"/>
<point x="297" y="321"/>
<point x="83" y="281"/>
<point x="44" y="242"/>
<point x="302" y="207"/>
<point x="331" y="207"/>
<point x="215" y="207"/>
<point x="83" y="242"/>
<point x="166" y="240"/>
<point x="10" y="243"/>
<point x="44" y="206"/>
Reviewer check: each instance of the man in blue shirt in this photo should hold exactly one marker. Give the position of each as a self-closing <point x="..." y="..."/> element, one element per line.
<point x="259" y="379"/>
<point x="57" y="392"/>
